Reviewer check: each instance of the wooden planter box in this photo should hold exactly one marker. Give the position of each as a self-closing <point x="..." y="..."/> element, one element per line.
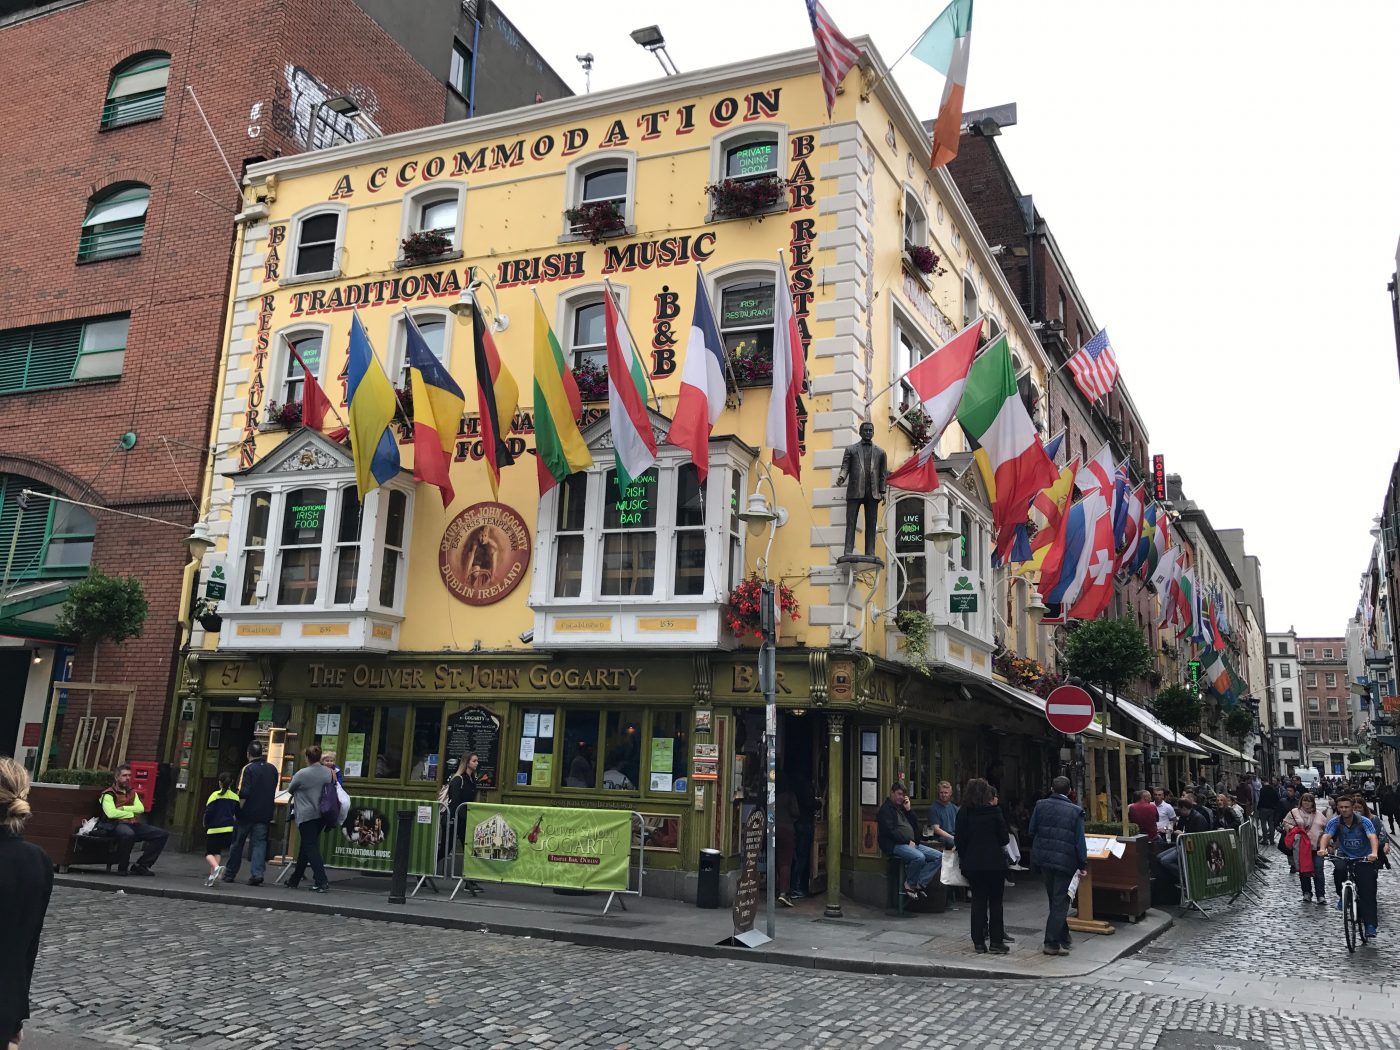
<point x="59" y="810"/>
<point x="1122" y="885"/>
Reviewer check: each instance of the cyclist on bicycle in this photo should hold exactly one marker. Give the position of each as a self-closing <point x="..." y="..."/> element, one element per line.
<point x="1354" y="838"/>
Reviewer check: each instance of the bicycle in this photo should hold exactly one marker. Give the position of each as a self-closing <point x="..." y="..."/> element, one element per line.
<point x="1352" y="926"/>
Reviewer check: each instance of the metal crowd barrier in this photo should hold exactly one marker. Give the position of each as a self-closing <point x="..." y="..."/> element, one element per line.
<point x="454" y="855"/>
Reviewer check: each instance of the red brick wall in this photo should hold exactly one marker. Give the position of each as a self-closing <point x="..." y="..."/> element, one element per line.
<point x="235" y="55"/>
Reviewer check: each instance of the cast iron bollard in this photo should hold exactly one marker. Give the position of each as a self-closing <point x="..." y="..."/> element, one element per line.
<point x="403" y="836"/>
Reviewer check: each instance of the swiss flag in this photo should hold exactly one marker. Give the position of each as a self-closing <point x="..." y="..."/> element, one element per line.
<point x="1098" y="576"/>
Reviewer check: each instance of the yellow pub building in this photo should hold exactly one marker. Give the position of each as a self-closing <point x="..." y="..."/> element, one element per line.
<point x="578" y="640"/>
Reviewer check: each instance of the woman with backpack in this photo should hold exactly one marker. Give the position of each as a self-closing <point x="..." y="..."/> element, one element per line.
<point x="220" y="816"/>
<point x="308" y="791"/>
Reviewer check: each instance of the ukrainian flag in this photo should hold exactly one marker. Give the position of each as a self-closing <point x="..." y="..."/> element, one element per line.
<point x="370" y="398"/>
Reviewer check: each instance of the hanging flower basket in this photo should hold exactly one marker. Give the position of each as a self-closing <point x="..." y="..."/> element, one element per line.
<point x="592" y="382"/>
<point x="403" y="405"/>
<point x="924" y="259"/>
<point x="425" y="245"/>
<point x="596" y="221"/>
<point x="1019" y="671"/>
<point x="741" y="614"/>
<point x="741" y="198"/>
<point x="288" y="415"/>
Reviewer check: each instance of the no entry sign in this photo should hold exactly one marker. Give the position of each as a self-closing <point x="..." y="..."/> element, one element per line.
<point x="1069" y="709"/>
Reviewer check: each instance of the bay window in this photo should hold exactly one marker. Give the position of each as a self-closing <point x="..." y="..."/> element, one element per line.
<point x="663" y="544"/>
<point x="308" y="560"/>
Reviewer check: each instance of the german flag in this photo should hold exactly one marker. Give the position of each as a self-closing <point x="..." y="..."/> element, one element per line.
<point x="497" y="398"/>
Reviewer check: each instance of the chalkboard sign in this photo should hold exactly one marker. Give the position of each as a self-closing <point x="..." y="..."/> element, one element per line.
<point x="746" y="893"/>
<point x="474" y="729"/>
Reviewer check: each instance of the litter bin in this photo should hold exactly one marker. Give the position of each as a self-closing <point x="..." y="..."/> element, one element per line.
<point x="707" y="891"/>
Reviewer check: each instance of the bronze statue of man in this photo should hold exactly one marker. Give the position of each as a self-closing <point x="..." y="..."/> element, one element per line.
<point x="863" y="472"/>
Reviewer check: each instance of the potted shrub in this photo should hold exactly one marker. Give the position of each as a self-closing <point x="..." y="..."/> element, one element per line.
<point x="741" y="198"/>
<point x="207" y="613"/>
<point x="425" y="246"/>
<point x="1178" y="707"/>
<point x="924" y="259"/>
<point x="596" y="220"/>
<point x="742" y="608"/>
<point x="288" y="415"/>
<point x="1239" y="720"/>
<point x="592" y="382"/>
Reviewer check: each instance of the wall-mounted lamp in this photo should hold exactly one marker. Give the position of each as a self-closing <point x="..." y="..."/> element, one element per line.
<point x="463" y="306"/>
<point x="940" y="528"/>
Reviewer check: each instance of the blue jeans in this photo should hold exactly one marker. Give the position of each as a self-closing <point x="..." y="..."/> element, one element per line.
<point x="921" y="863"/>
<point x="257" y="835"/>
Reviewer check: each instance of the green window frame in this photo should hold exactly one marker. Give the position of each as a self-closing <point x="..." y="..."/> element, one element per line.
<point x="616" y="767"/>
<point x="137" y="91"/>
<point x="50" y="539"/>
<point x="400" y="741"/>
<point x="115" y="223"/>
<point x="53" y="355"/>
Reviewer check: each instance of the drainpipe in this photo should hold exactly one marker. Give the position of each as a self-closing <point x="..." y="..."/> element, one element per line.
<point x="471" y="82"/>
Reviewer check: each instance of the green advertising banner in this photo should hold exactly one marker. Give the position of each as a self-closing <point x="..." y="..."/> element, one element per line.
<point x="542" y="846"/>
<point x="365" y="842"/>
<point x="1212" y="864"/>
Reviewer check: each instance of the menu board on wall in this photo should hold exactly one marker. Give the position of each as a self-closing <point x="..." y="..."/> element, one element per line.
<point x="474" y="729"/>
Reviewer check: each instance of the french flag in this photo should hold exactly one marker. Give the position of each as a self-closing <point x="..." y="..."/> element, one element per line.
<point x="703" y="389"/>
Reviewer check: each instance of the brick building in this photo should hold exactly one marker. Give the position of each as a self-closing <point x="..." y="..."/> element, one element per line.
<point x="1327" y="729"/>
<point x="1041" y="277"/>
<point x="118" y="185"/>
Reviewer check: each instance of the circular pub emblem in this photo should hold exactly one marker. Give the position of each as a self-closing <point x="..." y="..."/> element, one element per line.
<point x="484" y="553"/>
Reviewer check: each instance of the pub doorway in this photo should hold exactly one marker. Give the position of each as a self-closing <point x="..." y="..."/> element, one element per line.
<point x="227" y="735"/>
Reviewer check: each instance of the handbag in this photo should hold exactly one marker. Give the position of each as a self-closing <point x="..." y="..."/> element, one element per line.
<point x="950" y="872"/>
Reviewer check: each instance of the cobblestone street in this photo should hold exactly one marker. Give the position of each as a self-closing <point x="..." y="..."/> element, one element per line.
<point x="119" y="970"/>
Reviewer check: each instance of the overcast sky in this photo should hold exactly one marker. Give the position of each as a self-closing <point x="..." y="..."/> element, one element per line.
<point x="1224" y="180"/>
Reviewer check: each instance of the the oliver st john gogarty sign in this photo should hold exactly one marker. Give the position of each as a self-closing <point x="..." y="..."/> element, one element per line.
<point x="467" y="678"/>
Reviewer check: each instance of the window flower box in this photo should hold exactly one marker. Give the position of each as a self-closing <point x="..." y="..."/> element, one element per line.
<point x="752" y="363"/>
<point x="924" y="260"/>
<point x="597" y="220"/>
<point x="741" y="614"/>
<point x="745" y="198"/>
<point x="425" y="246"/>
<point x="592" y="382"/>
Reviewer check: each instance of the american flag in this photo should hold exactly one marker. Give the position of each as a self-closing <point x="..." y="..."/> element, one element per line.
<point x="835" y="54"/>
<point x="1094" y="366"/>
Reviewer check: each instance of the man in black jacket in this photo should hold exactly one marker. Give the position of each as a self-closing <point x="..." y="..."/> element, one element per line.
<point x="1266" y="813"/>
<point x="900" y="838"/>
<point x="257" y="786"/>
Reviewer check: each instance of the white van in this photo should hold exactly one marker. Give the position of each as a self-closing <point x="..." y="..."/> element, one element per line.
<point x="1308" y="775"/>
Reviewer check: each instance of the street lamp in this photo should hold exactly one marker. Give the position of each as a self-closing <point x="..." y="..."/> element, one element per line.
<point x="758" y="511"/>
<point x="463" y="306"/>
<point x="650" y="38"/>
<point x="940" y="530"/>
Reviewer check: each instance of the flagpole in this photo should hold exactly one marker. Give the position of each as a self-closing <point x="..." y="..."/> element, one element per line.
<point x="871" y="399"/>
<point x="728" y="368"/>
<point x="636" y="350"/>
<point x="889" y="70"/>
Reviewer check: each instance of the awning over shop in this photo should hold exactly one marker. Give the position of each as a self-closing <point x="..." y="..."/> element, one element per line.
<point x="1148" y="721"/>
<point x="1095" y="734"/>
<point x="1364" y="766"/>
<point x="1224" y="749"/>
<point x="31" y="610"/>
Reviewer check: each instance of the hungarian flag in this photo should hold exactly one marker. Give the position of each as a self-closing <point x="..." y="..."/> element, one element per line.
<point x="938" y="381"/>
<point x="994" y="415"/>
<point x="789" y="371"/>
<point x="634" y="447"/>
<point x="946" y="46"/>
<point x="559" y="447"/>
<point x="703" y="387"/>
<point x="437" y="412"/>
<point x="497" y="398"/>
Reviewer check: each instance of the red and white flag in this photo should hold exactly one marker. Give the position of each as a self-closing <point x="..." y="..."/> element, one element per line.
<point x="938" y="381"/>
<point x="1096" y="589"/>
<point x="1097" y="474"/>
<point x="789" y="371"/>
<point x="835" y="54"/>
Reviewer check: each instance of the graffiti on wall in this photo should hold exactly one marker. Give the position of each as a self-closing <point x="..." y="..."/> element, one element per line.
<point x="300" y="101"/>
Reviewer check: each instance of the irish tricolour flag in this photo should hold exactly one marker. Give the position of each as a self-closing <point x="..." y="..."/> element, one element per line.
<point x="995" y="417"/>
<point x="633" y="444"/>
<point x="945" y="46"/>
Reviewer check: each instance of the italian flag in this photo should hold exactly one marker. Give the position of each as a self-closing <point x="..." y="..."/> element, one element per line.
<point x="945" y="46"/>
<point x="633" y="444"/>
<point x="994" y="416"/>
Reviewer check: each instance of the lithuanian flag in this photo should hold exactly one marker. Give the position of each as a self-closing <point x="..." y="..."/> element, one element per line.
<point x="559" y="447"/>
